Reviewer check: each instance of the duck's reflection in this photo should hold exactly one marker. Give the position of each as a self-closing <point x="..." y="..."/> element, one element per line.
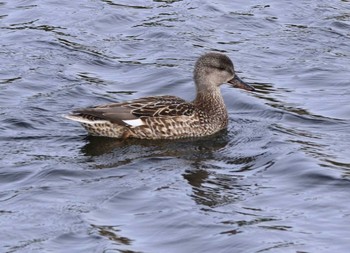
<point x="212" y="188"/>
<point x="212" y="185"/>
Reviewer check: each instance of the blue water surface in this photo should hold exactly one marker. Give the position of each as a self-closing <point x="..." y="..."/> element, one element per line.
<point x="276" y="181"/>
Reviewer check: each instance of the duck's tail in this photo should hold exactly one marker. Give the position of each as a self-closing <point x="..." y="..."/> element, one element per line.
<point x="84" y="120"/>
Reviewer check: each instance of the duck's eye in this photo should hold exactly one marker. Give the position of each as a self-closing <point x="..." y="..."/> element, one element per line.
<point x="221" y="68"/>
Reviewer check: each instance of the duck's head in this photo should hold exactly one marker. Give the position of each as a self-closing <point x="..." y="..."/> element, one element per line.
<point x="214" y="69"/>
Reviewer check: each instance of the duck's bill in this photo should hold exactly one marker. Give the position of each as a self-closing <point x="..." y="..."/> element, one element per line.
<point x="238" y="83"/>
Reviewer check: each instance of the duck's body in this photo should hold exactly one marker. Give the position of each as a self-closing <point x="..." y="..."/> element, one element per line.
<point x="160" y="117"/>
<point x="168" y="117"/>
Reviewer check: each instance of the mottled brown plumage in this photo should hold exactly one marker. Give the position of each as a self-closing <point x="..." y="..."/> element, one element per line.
<point x="168" y="117"/>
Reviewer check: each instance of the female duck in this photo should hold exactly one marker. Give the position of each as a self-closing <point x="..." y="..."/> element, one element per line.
<point x="168" y="117"/>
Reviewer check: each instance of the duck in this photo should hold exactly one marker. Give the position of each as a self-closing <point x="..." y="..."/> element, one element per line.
<point x="168" y="117"/>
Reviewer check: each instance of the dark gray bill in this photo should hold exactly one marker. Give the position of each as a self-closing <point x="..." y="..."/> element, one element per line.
<point x="238" y="83"/>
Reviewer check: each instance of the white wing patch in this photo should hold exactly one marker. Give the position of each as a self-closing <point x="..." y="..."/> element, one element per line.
<point x="134" y="122"/>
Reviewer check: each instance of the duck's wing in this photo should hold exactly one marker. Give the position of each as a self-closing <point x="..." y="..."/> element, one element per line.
<point x="161" y="106"/>
<point x="132" y="112"/>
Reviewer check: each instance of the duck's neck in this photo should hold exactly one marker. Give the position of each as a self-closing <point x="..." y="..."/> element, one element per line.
<point x="209" y="99"/>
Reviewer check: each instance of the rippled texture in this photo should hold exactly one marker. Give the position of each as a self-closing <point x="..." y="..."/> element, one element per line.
<point x="276" y="181"/>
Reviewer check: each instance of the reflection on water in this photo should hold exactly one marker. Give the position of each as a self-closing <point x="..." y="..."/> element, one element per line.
<point x="276" y="175"/>
<point x="109" y="153"/>
<point x="208" y="187"/>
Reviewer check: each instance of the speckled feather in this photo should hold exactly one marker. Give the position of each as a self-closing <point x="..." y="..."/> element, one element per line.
<point x="167" y="116"/>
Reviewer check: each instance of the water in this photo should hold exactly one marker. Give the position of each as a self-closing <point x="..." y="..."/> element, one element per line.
<point x="276" y="181"/>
